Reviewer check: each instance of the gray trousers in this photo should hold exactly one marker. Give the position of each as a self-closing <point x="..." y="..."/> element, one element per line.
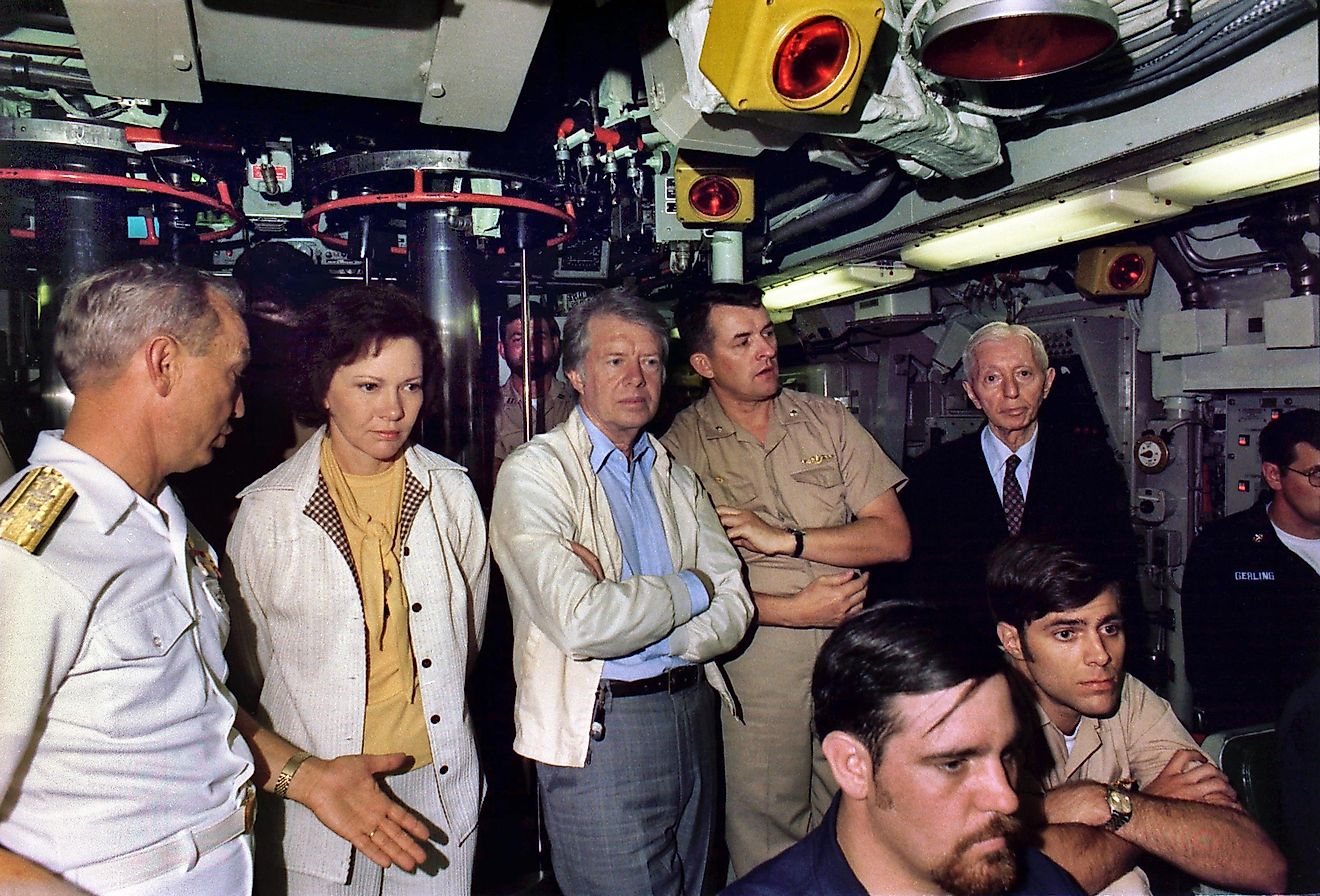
<point x="637" y="820"/>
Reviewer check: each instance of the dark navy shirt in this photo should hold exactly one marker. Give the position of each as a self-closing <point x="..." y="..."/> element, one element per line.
<point x="816" y="867"/>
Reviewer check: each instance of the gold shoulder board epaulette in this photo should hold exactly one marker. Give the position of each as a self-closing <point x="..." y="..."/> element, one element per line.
<point x="30" y="510"/>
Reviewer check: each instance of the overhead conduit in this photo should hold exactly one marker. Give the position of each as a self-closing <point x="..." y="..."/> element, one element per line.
<point x="1228" y="32"/>
<point x="776" y="239"/>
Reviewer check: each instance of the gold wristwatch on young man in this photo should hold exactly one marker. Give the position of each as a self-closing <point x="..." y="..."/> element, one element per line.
<point x="1119" y="797"/>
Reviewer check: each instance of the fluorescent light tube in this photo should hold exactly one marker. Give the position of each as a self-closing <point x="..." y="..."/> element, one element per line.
<point x="1039" y="226"/>
<point x="835" y="283"/>
<point x="1281" y="157"/>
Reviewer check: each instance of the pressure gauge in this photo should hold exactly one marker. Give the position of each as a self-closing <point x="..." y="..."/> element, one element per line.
<point x="1152" y="453"/>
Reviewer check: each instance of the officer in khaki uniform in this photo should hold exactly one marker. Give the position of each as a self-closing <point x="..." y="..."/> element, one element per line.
<point x="808" y="498"/>
<point x="551" y="401"/>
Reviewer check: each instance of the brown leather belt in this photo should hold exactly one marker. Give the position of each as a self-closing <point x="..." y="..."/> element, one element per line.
<point x="679" y="678"/>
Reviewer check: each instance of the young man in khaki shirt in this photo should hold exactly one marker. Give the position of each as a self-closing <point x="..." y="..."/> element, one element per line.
<point x="808" y="498"/>
<point x="1110" y="771"/>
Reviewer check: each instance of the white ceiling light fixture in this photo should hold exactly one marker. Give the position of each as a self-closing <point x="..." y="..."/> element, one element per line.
<point x="1008" y="40"/>
<point x="836" y="283"/>
<point x="1053" y="222"/>
<point x="1283" y="156"/>
<point x="1273" y="159"/>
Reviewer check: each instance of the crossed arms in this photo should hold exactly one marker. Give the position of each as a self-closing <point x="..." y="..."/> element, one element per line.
<point x="879" y="534"/>
<point x="1188" y="816"/>
<point x="556" y="544"/>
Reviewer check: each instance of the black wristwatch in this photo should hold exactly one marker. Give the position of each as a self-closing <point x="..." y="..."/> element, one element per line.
<point x="1119" y="797"/>
<point x="799" y="541"/>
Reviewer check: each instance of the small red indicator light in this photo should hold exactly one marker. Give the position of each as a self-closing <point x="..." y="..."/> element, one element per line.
<point x="811" y="58"/>
<point x="1275" y="414"/>
<point x="715" y="197"/>
<point x="1126" y="271"/>
<point x="1244" y="441"/>
<point x="1243" y="485"/>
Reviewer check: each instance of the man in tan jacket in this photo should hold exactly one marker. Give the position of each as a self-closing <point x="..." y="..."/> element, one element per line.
<point x="623" y="589"/>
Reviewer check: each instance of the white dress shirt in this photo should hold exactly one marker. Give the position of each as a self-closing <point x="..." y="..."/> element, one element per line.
<point x="997" y="455"/>
<point x="116" y="729"/>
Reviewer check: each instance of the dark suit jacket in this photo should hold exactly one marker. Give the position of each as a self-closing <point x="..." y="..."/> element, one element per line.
<point x="1077" y="493"/>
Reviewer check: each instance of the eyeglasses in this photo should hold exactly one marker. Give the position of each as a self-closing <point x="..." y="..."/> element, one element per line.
<point x="1312" y="476"/>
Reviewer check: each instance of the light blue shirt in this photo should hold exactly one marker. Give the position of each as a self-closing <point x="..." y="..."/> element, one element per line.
<point x="642" y="536"/>
<point x="997" y="455"/>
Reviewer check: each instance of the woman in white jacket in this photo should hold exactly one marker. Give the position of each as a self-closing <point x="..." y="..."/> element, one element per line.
<point x="360" y="572"/>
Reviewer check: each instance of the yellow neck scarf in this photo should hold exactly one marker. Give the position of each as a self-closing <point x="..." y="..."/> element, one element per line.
<point x="384" y="602"/>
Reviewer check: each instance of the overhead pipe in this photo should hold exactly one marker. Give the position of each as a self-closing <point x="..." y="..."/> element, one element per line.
<point x="776" y="237"/>
<point x="1190" y="286"/>
<point x="726" y="256"/>
<point x="40" y="21"/>
<point x="809" y="189"/>
<point x="21" y="71"/>
<point x="1273" y="233"/>
<point x="22" y="46"/>
<point x="1203" y="265"/>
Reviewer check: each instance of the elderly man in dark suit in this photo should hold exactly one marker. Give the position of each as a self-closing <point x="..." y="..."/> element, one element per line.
<point x="1014" y="476"/>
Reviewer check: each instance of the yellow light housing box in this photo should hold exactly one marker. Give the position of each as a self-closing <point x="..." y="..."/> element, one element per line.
<point x="786" y="56"/>
<point x="709" y="190"/>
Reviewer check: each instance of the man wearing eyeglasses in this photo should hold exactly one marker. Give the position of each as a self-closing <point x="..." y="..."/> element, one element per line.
<point x="1251" y="589"/>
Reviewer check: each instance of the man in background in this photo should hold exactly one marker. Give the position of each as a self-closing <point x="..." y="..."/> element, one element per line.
<point x="1014" y="476"/>
<point x="551" y="400"/>
<point x="1251" y="588"/>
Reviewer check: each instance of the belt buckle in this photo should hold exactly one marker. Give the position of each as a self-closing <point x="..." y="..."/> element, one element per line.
<point x="674" y="678"/>
<point x="249" y="808"/>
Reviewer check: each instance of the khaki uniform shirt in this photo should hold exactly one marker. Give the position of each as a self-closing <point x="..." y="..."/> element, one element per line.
<point x="1136" y="742"/>
<point x="549" y="411"/>
<point x="818" y="467"/>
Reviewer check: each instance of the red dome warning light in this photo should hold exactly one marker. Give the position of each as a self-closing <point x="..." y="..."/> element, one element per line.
<point x="715" y="197"/>
<point x="1126" y="271"/>
<point x="1115" y="271"/>
<point x="712" y="189"/>
<point x="1006" y="40"/>
<point x="812" y="57"/>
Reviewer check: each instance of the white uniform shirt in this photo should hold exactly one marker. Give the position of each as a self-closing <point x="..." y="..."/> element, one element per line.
<point x="116" y="729"/>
